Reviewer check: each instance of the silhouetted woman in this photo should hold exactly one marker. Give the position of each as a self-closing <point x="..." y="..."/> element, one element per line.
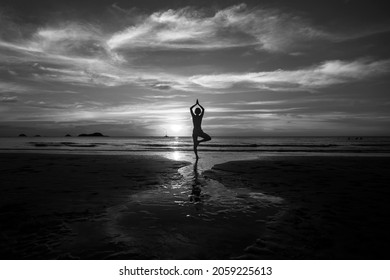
<point x="198" y="132"/>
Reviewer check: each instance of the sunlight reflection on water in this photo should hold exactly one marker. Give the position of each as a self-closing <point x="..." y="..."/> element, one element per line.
<point x="176" y="155"/>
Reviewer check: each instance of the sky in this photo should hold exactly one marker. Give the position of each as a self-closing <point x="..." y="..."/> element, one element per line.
<point x="133" y="68"/>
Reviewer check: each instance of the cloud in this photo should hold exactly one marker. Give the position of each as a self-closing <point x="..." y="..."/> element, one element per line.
<point x="235" y="26"/>
<point x="11" y="87"/>
<point x="8" y="99"/>
<point x="161" y="86"/>
<point x="268" y="102"/>
<point x="95" y="73"/>
<point x="251" y="111"/>
<point x="80" y="53"/>
<point x="50" y="59"/>
<point x="70" y="52"/>
<point x="171" y="96"/>
<point x="326" y="74"/>
<point x="72" y="38"/>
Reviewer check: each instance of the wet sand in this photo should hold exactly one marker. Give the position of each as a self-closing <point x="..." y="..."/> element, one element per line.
<point x="68" y="206"/>
<point x="335" y="207"/>
<point x="53" y="206"/>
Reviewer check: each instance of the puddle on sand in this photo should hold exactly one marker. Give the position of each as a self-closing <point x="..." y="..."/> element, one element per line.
<point x="191" y="218"/>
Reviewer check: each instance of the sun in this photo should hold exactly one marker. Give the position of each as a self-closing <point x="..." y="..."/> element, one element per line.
<point x="175" y="128"/>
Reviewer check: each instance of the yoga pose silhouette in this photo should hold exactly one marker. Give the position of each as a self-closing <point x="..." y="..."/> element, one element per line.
<point x="198" y="132"/>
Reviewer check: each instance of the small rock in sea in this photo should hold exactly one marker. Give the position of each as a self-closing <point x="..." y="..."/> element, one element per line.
<point x="96" y="134"/>
<point x="22" y="135"/>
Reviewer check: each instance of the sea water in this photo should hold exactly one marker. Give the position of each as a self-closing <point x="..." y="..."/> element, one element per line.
<point x="279" y="145"/>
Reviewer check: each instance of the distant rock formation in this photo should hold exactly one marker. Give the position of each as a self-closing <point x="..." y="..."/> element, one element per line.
<point x="22" y="135"/>
<point x="96" y="134"/>
<point x="37" y="135"/>
<point x="68" y="135"/>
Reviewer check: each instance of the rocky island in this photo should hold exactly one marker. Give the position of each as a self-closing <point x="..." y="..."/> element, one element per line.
<point x="96" y="134"/>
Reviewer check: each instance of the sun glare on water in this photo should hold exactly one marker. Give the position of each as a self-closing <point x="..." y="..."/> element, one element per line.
<point x="176" y="155"/>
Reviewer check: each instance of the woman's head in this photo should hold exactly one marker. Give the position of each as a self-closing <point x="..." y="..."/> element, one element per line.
<point x="197" y="111"/>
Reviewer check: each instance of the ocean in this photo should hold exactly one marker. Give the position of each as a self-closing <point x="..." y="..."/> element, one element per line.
<point x="253" y="145"/>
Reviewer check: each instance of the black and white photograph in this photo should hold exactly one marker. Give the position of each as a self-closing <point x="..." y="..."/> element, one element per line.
<point x="194" y="130"/>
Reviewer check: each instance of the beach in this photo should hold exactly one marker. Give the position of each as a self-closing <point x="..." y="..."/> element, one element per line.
<point x="147" y="206"/>
<point x="54" y="205"/>
<point x="336" y="207"/>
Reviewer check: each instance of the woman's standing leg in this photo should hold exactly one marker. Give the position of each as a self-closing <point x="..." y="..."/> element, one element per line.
<point x="196" y="143"/>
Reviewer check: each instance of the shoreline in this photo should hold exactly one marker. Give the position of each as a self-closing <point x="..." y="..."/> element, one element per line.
<point x="258" y="145"/>
<point x="369" y="153"/>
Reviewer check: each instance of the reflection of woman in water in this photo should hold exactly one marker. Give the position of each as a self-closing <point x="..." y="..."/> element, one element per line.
<point x="196" y="190"/>
<point x="198" y="132"/>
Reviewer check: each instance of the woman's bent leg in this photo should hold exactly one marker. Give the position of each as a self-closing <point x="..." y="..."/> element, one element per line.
<point x="205" y="137"/>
